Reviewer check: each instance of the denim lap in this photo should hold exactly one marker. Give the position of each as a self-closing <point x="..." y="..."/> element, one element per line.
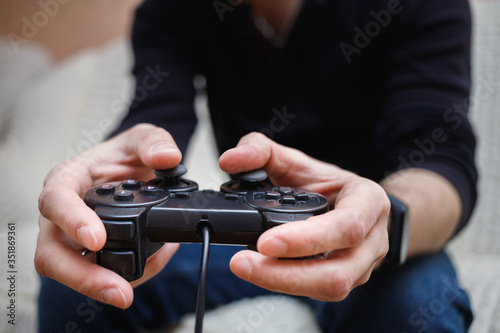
<point x="423" y="296"/>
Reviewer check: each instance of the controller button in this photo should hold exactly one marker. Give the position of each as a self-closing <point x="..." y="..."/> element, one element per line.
<point x="151" y="190"/>
<point x="259" y="195"/>
<point x="272" y="195"/>
<point x="105" y="189"/>
<point x="121" y="262"/>
<point x="123" y="195"/>
<point x="131" y="184"/>
<point x="182" y="195"/>
<point x="288" y="200"/>
<point x="231" y="196"/>
<point x="285" y="190"/>
<point x="301" y="196"/>
<point x="119" y="230"/>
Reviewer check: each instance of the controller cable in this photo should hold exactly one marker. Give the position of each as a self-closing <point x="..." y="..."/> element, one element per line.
<point x="202" y="280"/>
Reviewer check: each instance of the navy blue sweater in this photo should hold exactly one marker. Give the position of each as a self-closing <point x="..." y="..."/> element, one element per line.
<point x="372" y="86"/>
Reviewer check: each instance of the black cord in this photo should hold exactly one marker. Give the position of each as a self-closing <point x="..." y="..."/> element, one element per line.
<point x="202" y="280"/>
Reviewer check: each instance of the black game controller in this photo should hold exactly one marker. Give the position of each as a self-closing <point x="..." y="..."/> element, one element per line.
<point x="140" y="216"/>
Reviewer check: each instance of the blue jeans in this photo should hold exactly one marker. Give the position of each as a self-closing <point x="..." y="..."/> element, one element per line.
<point x="422" y="296"/>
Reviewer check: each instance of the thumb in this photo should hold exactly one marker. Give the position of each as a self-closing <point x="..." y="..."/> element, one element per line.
<point x="256" y="151"/>
<point x="153" y="145"/>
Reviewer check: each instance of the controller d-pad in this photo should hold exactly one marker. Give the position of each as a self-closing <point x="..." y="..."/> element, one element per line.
<point x="301" y="196"/>
<point x="296" y="202"/>
<point x="288" y="200"/>
<point x="123" y="195"/>
<point x="272" y="195"/>
<point x="284" y="190"/>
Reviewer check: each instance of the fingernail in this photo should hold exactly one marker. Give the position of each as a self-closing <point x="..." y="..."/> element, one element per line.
<point x="163" y="147"/>
<point x="114" y="296"/>
<point x="273" y="246"/>
<point x="86" y="237"/>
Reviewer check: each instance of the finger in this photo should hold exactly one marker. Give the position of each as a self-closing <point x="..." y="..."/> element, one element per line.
<point x="155" y="146"/>
<point x="156" y="262"/>
<point x="256" y="151"/>
<point x="60" y="202"/>
<point x="284" y="165"/>
<point x="329" y="279"/>
<point x="56" y="259"/>
<point x="142" y="146"/>
<point x="360" y="206"/>
<point x="121" y="157"/>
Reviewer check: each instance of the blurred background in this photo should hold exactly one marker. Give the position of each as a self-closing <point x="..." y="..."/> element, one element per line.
<point x="65" y="83"/>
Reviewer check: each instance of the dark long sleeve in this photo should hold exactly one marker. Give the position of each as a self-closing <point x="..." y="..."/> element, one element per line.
<point x="373" y="86"/>
<point x="425" y="118"/>
<point x="164" y="68"/>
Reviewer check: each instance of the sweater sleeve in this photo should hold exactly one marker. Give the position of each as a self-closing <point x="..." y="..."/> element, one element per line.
<point x="164" y="67"/>
<point x="428" y="82"/>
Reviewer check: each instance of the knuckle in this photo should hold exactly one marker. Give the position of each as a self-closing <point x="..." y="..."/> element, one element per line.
<point x="356" y="230"/>
<point x="85" y="285"/>
<point x="384" y="246"/>
<point x="363" y="279"/>
<point x="42" y="259"/>
<point x="256" y="139"/>
<point x="143" y="127"/>
<point x="154" y="266"/>
<point x="67" y="223"/>
<point x="40" y="262"/>
<point x="148" y="132"/>
<point x="257" y="136"/>
<point x="155" y="132"/>
<point x="275" y="282"/>
<point x="337" y="287"/>
<point x="319" y="246"/>
<point x="44" y="199"/>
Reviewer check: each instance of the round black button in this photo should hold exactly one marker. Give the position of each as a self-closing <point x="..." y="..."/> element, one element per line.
<point x="123" y="195"/>
<point x="131" y="184"/>
<point x="105" y="189"/>
<point x="151" y="190"/>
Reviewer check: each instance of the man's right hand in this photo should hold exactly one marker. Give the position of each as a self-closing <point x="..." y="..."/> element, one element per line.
<point x="68" y="226"/>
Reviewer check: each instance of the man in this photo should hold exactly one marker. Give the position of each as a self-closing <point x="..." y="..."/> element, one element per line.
<point x="352" y="99"/>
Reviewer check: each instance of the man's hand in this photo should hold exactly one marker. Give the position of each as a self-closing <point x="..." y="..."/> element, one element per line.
<point x="68" y="226"/>
<point x="348" y="241"/>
